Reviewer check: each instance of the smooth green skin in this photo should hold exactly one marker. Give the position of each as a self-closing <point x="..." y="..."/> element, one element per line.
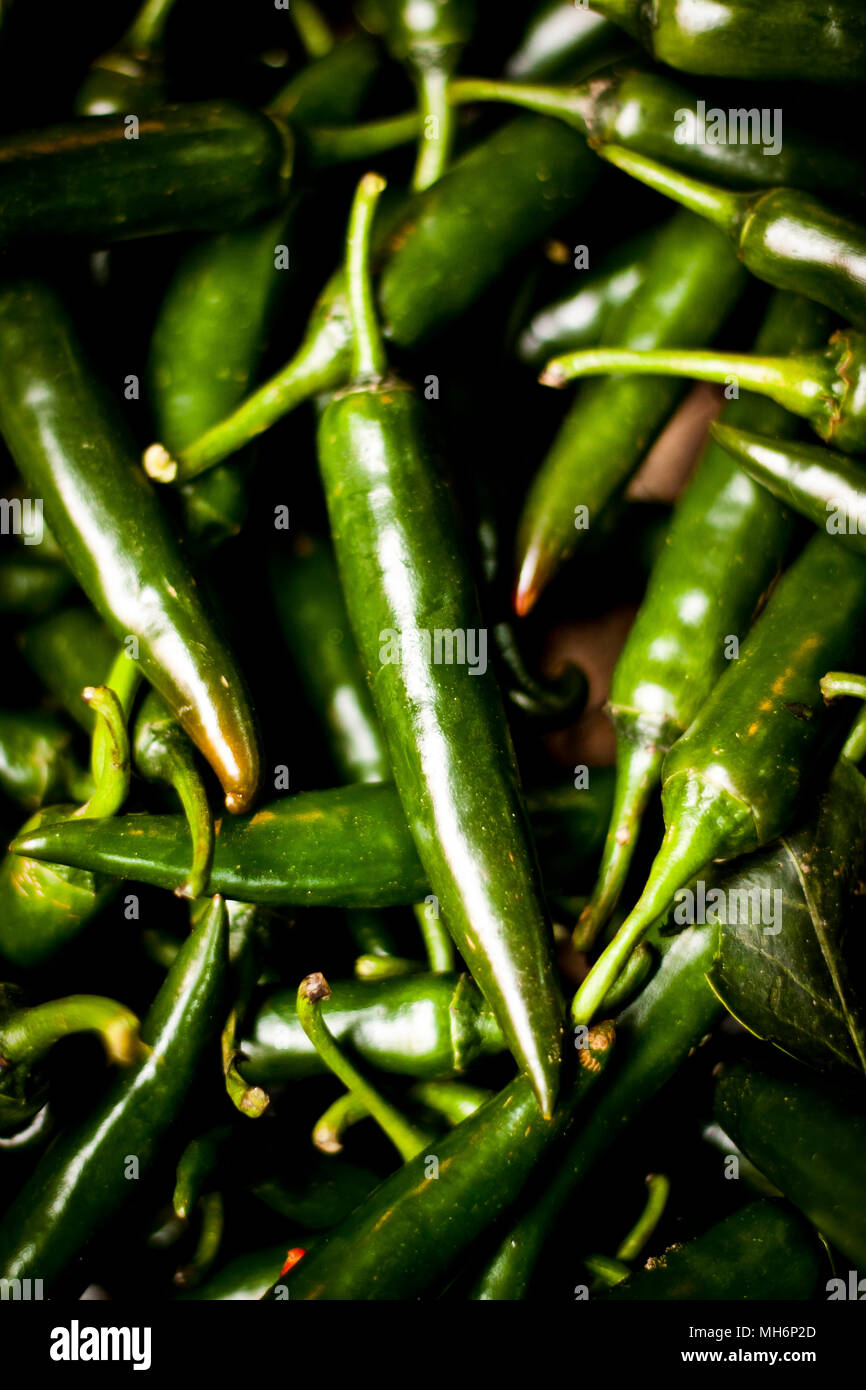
<point x="329" y="90"/>
<point x="319" y="1195"/>
<point x="73" y="451"/>
<point x="697" y="597"/>
<point x="691" y="283"/>
<point x="414" y="1228"/>
<point x="560" y="36"/>
<point x="245" y="1278"/>
<point x="68" y="651"/>
<point x="452" y="242"/>
<point x="420" y="1025"/>
<point x="200" y="167"/>
<point x="402" y="570"/>
<point x="580" y="318"/>
<point x="655" y="1034"/>
<point x="349" y="847"/>
<point x="36" y="763"/>
<point x="750" y="38"/>
<point x="31" y="587"/>
<point x="761" y="1252"/>
<point x="314" y="622"/>
<point x="824" y="486"/>
<point x="809" y="1140"/>
<point x="79" y="1184"/>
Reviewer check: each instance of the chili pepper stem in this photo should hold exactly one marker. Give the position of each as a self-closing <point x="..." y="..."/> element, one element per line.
<point x="147" y="29"/>
<point x="113" y="785"/>
<point x="574" y="106"/>
<point x="249" y="1100"/>
<point x="727" y="210"/>
<point x="454" y="1100"/>
<point x="631" y="978"/>
<point x="312" y="28"/>
<point x="404" y="1136"/>
<point x="196" y="808"/>
<point x="658" y="1191"/>
<point x="437" y="128"/>
<point x="368" y="351"/>
<point x="437" y="942"/>
<point x="124" y="678"/>
<point x="326" y="145"/>
<point x="835" y="686"/>
<point x="27" y="1035"/>
<point x="330" y="1129"/>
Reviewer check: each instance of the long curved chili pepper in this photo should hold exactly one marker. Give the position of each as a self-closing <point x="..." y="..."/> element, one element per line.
<point x="697" y="598"/>
<point x="36" y="760"/>
<point x="163" y="753"/>
<point x="691" y="282"/>
<point x="736" y="778"/>
<point x="82" y="1179"/>
<point x="826" y="487"/>
<point x="452" y="242"/>
<point x="69" y="445"/>
<point x="781" y="235"/>
<point x="128" y="78"/>
<point x="411" y="1232"/>
<point x="399" y="559"/>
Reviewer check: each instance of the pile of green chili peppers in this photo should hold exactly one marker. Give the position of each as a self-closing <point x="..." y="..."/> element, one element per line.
<point x="323" y="916"/>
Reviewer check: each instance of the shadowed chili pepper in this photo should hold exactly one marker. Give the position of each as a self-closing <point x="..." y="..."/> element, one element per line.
<point x="244" y="1278"/>
<point x="163" y="753"/>
<point x="610" y="1271"/>
<point x="411" y="1232"/>
<point x="697" y="597"/>
<point x="31" y="586"/>
<point x="72" y="449"/>
<point x="691" y="282"/>
<point x="398" y="553"/>
<point x="330" y="89"/>
<point x="739" y="38"/>
<point x="826" y="487"/>
<point x="28" y="1033"/>
<point x="312" y="28"/>
<point x="737" y="777"/>
<point x="66" y="652"/>
<point x="781" y="235"/>
<point x="36" y="759"/>
<point x="129" y="77"/>
<point x="81" y="1181"/>
<point x="563" y="36"/>
<point x="453" y="241"/>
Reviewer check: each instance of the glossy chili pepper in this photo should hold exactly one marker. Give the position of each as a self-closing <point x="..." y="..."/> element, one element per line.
<point x="163" y="753"/>
<point x="429" y="39"/>
<point x="698" y="596"/>
<point x="36" y="760"/>
<point x="562" y="36"/>
<point x="28" y="1033"/>
<point x="739" y="38"/>
<point x="691" y="282"/>
<point x="330" y="89"/>
<point x="199" y="167"/>
<point x="808" y="1138"/>
<point x="244" y="1278"/>
<point x="348" y="847"/>
<point x="764" y="1251"/>
<point x="737" y="777"/>
<point x="128" y="78"/>
<point x="655" y="1035"/>
<point x="453" y="241"/>
<point x="420" y="1025"/>
<point x="82" y="1179"/>
<point x="72" y="449"/>
<point x="826" y="487"/>
<point x="781" y="235"/>
<point x="411" y="1232"/>
<point x="30" y="586"/>
<point x="66" y="652"/>
<point x="444" y="724"/>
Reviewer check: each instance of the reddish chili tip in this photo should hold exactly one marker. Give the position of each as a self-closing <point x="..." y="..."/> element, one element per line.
<point x="292" y="1257"/>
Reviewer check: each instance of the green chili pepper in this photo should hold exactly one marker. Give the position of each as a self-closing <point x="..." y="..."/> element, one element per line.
<point x="698" y="597"/>
<point x="312" y="28"/>
<point x="68" y="651"/>
<point x="429" y="39"/>
<point x="690" y="284"/>
<point x="741" y="38"/>
<point x="83" y="1178"/>
<point x="199" y="167"/>
<point x="562" y="36"/>
<point x="781" y="235"/>
<point x="737" y="777"/>
<point x="454" y="1100"/>
<point x="762" y="1252"/>
<point x="418" y="1025"/>
<point x="245" y="1278"/>
<point x="163" y="753"/>
<point x="27" y="1035"/>
<point x="195" y="1167"/>
<point x="128" y="78"/>
<point x="72" y="450"/>
<point x="826" y="487"/>
<point x="320" y="1195"/>
<point x="808" y="1139"/>
<point x="446" y="732"/>
<point x="36" y="760"/>
<point x="411" y="1232"/>
<point x="31" y="586"/>
<point x="452" y="242"/>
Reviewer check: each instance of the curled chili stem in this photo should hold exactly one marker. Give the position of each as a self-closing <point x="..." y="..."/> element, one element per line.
<point x="326" y="145"/>
<point x="28" y="1034"/>
<point x="369" y="361"/>
<point x="437" y="942"/>
<point x="834" y="686"/>
<point x="312" y="28"/>
<point x="404" y="1136"/>
<point x="658" y="1191"/>
<point x="329" y="1131"/>
<point x="249" y="1100"/>
<point x="112" y="780"/>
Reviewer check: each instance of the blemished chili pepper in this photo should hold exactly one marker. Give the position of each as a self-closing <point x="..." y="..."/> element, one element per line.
<point x="429" y="39"/>
<point x="445" y="727"/>
<point x="411" y="1231"/>
<point x="28" y="1033"/>
<point x="347" y="847"/>
<point x="453" y="241"/>
<point x="698" y="596"/>
<point x="201" y="167"/>
<point x="71" y="447"/>
<point x="781" y="235"/>
<point x="30" y="586"/>
<point x="163" y="753"/>
<point x="764" y="1251"/>
<point x="826" y="487"/>
<point x="418" y="1025"/>
<point x="737" y="777"/>
<point x="691" y="282"/>
<point x="129" y="77"/>
<point x="561" y="37"/>
<point x="68" y="651"/>
<point x="36" y="760"/>
<point x="742" y="38"/>
<point x="808" y="1139"/>
<point x="81" y="1180"/>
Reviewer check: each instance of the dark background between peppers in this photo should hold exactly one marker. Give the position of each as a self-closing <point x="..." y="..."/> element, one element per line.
<point x="496" y="424"/>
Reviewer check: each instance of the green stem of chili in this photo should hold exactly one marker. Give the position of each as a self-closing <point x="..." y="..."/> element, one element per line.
<point x="312" y="28"/>
<point x="726" y="209"/>
<point x="437" y="942"/>
<point x="147" y="29"/>
<point x="325" y="145"/>
<point x="436" y="115"/>
<point x="834" y="686"/>
<point x="658" y="1191"/>
<point x="634" y="976"/>
<point x="212" y="1213"/>
<point x="454" y="1100"/>
<point x="249" y="1100"/>
<point x="124" y="678"/>
<point x="27" y="1035"/>
<point x="330" y="1129"/>
<point x="574" y="106"/>
<point x="112" y="778"/>
<point x="368" y="351"/>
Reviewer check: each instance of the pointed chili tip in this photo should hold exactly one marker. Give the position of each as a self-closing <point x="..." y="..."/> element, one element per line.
<point x="239" y="801"/>
<point x="373" y="184"/>
<point x="315" y="988"/>
<point x="159" y="464"/>
<point x="292" y="1257"/>
<point x="530" y="583"/>
<point x="553" y="375"/>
